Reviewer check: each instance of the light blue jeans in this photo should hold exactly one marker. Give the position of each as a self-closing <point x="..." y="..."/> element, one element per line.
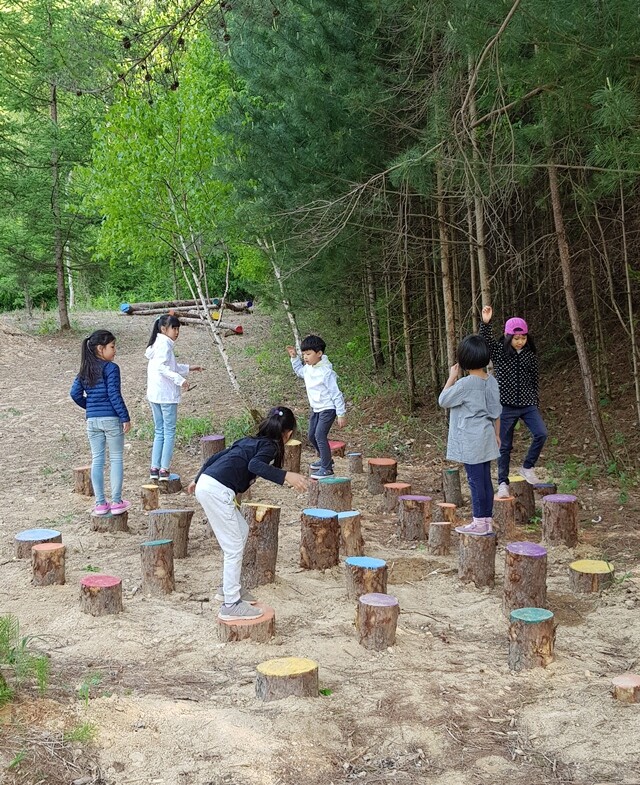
<point x="165" y="416"/>
<point x="106" y="432"/>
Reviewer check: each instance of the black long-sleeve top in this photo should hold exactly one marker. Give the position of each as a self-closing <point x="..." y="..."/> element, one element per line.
<point x="516" y="372"/>
<point x="239" y="465"/>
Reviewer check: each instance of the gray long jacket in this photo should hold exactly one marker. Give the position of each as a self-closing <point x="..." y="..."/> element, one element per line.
<point x="475" y="407"/>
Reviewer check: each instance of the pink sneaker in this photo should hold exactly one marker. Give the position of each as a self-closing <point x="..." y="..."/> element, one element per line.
<point x="102" y="509"/>
<point x="119" y="507"/>
<point x="477" y="526"/>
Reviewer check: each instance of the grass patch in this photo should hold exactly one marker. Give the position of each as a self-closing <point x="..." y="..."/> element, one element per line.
<point x="84" y="733"/>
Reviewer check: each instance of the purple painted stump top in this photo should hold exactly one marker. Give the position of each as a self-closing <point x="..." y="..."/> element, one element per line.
<point x="100" y="581"/>
<point x="414" y="498"/>
<point x="560" y="498"/>
<point x="527" y="549"/>
<point x="379" y="600"/>
<point x="214" y="437"/>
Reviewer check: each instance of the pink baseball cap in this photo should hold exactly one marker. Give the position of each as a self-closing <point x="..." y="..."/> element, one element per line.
<point x="516" y="325"/>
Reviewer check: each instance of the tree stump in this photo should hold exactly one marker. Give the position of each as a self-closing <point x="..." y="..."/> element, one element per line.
<point x="292" y="456"/>
<point x="365" y="575"/>
<point x="261" y="550"/>
<point x="439" y="538"/>
<point x="451" y="489"/>
<point x="287" y="676"/>
<point x="171" y="525"/>
<point x="525" y="576"/>
<point x="381" y="471"/>
<point x="588" y="576"/>
<point x="150" y="497"/>
<point x="414" y="513"/>
<point x="525" y="503"/>
<point x="351" y="542"/>
<point x="319" y="539"/>
<point x="445" y="511"/>
<point x="504" y="517"/>
<point x="100" y="595"/>
<point x="26" y="539"/>
<point x="337" y="448"/>
<point x="259" y="630"/>
<point x="391" y="492"/>
<point x="313" y="492"/>
<point x="211" y="445"/>
<point x="82" y="481"/>
<point x="355" y="462"/>
<point x="477" y="558"/>
<point x="532" y="635"/>
<point x="47" y="564"/>
<point x="110" y="523"/>
<point x="543" y="489"/>
<point x="560" y="519"/>
<point x="376" y="621"/>
<point x="334" y="493"/>
<point x="156" y="557"/>
<point x="626" y="688"/>
<point x="172" y="485"/>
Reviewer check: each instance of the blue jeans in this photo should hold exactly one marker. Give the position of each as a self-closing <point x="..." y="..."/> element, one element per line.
<point x="319" y="426"/>
<point x="106" y="432"/>
<point x="165" y="417"/>
<point x="479" y="477"/>
<point x="532" y="418"/>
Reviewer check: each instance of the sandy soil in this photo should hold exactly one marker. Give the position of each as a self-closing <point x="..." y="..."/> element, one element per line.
<point x="173" y="706"/>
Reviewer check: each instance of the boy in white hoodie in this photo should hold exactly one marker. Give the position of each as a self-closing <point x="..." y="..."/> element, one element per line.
<point x="325" y="398"/>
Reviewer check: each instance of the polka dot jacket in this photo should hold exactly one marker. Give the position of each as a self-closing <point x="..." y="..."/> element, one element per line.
<point x="516" y="373"/>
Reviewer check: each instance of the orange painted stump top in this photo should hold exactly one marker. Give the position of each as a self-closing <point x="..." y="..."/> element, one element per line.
<point x="446" y="505"/>
<point x="98" y="581"/>
<point x="382" y="462"/>
<point x="268" y="613"/>
<point x="397" y="486"/>
<point x="47" y="546"/>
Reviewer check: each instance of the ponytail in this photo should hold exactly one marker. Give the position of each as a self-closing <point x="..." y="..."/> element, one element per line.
<point x="278" y="420"/>
<point x="162" y="321"/>
<point x="90" y="364"/>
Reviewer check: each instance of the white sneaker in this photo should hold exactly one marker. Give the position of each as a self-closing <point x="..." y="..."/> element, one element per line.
<point x="530" y="476"/>
<point x="245" y="595"/>
<point x="477" y="526"/>
<point x="503" y="490"/>
<point x="239" y="611"/>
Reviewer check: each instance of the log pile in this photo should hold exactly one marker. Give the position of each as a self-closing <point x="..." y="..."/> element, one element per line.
<point x="191" y="311"/>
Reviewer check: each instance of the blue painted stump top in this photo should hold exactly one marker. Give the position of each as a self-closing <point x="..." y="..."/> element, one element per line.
<point x="333" y="480"/>
<point x="37" y="534"/>
<point x="560" y="498"/>
<point x="316" y="512"/>
<point x="353" y="453"/>
<point x="540" y="486"/>
<point x="173" y="476"/>
<point x="414" y="497"/>
<point x="125" y="307"/>
<point x="366" y="562"/>
<point x="348" y="514"/>
<point x="166" y="511"/>
<point x="527" y="549"/>
<point x="379" y="600"/>
<point x="531" y="615"/>
<point x="156" y="542"/>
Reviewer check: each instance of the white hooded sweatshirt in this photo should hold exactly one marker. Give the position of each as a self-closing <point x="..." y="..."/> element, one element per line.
<point x="321" y="382"/>
<point x="164" y="374"/>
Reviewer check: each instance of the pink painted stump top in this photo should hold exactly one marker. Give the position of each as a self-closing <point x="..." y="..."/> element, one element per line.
<point x="527" y="549"/>
<point x="379" y="600"/>
<point x="99" y="581"/>
<point x="397" y="486"/>
<point x="412" y="497"/>
<point x="382" y="461"/>
<point x="336" y="445"/>
<point x="627" y="681"/>
<point x="214" y="437"/>
<point x="560" y="498"/>
<point x="268" y="613"/>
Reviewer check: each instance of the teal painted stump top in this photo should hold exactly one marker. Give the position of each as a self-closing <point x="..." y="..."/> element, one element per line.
<point x="156" y="542"/>
<point x="365" y="561"/>
<point x="316" y="512"/>
<point x="348" y="514"/>
<point x="37" y="534"/>
<point x="333" y="480"/>
<point x="531" y="615"/>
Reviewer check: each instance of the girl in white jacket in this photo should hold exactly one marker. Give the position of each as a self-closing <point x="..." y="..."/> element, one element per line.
<point x="165" y="381"/>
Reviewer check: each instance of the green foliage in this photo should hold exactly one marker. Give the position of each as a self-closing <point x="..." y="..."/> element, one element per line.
<point x="90" y="568"/>
<point x="18" y="660"/>
<point x="84" y="690"/>
<point x="84" y="733"/>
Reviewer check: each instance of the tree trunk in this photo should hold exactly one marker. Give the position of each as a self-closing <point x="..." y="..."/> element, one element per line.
<point x="58" y="244"/>
<point x="445" y="268"/>
<point x="372" y="313"/>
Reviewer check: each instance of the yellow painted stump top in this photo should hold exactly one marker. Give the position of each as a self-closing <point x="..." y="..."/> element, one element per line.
<point x="293" y="443"/>
<point x="592" y="566"/>
<point x="516" y="478"/>
<point x="261" y="509"/>
<point x="151" y="486"/>
<point x="287" y="666"/>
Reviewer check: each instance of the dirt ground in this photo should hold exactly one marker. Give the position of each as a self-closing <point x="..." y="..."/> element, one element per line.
<point x="172" y="705"/>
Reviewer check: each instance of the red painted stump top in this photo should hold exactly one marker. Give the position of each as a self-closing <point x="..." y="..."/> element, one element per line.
<point x="382" y="462"/>
<point x="337" y="445"/>
<point x="98" y="581"/>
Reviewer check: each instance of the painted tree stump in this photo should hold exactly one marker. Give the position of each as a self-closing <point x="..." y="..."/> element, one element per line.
<point x="334" y="493"/>
<point x="376" y="620"/>
<point x="337" y="448"/>
<point x="355" y="462"/>
<point x="171" y="525"/>
<point x="525" y="576"/>
<point x="100" y="595"/>
<point x="261" y="549"/>
<point x="172" y="485"/>
<point x="292" y="456"/>
<point x="626" y="688"/>
<point x="82" y="481"/>
<point x="560" y="519"/>
<point x="319" y="539"/>
<point x="444" y="511"/>
<point x="532" y="635"/>
<point x="477" y="558"/>
<point x="47" y="564"/>
<point x="150" y="497"/>
<point x="286" y="676"/>
<point x="26" y="539"/>
<point x="381" y="471"/>
<point x="414" y="515"/>
<point x="211" y="445"/>
<point x="351" y="541"/>
<point x="259" y="630"/>
<point x="525" y="503"/>
<point x="110" y="523"/>
<point x="392" y="490"/>
<point x="451" y="488"/>
<point x="543" y="489"/>
<point x="365" y="575"/>
<point x="587" y="576"/>
<point x="156" y="557"/>
<point x="313" y="492"/>
<point x="440" y="538"/>
<point x="504" y="517"/>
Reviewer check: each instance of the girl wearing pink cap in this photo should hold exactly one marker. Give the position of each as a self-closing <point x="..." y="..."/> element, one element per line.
<point x="516" y="369"/>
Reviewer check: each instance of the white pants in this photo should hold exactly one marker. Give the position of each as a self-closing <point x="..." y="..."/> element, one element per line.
<point x="230" y="528"/>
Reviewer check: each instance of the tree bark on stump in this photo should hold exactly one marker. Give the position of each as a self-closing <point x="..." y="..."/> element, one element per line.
<point x="100" y="595"/>
<point x="351" y="541"/>
<point x="150" y="497"/>
<point x="319" y="539"/>
<point x="376" y="621"/>
<point x="451" y="488"/>
<point x="587" y="576"/>
<point x="171" y="525"/>
<point x="313" y="492"/>
<point x="26" y="539"/>
<point x="477" y="558"/>
<point x="525" y="576"/>
<point x="532" y="635"/>
<point x="504" y="517"/>
<point x="414" y="514"/>
<point x="287" y="676"/>
<point x="211" y="445"/>
<point x="626" y="688"/>
<point x="47" y="564"/>
<point x="334" y="493"/>
<point x="259" y="630"/>
<point x="292" y="456"/>
<point x="156" y="558"/>
<point x="365" y="575"/>
<point x="172" y="485"/>
<point x="444" y="511"/>
<point x="261" y="550"/>
<point x="439" y="538"/>
<point x="110" y="523"/>
<point x="82" y="481"/>
<point x="525" y="503"/>
<point x="337" y="448"/>
<point x="560" y="519"/>
<point x="381" y="471"/>
<point x="543" y="489"/>
<point x="392" y="490"/>
<point x="355" y="462"/>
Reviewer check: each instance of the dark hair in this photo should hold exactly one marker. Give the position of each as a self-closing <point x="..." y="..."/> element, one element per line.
<point x="313" y="343"/>
<point x="90" y="364"/>
<point x="162" y="321"/>
<point x="507" y="346"/>
<point x="278" y="420"/>
<point x="473" y="353"/>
